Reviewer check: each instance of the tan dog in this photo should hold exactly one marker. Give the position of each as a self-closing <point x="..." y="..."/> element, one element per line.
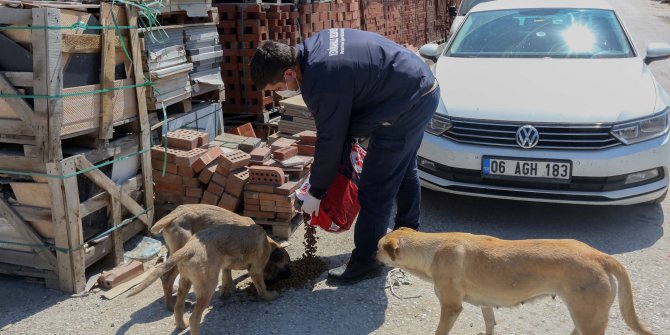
<point x="186" y="220"/>
<point x="236" y="245"/>
<point x="489" y="272"/>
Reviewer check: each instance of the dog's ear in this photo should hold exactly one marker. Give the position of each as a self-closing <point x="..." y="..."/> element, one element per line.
<point x="277" y="255"/>
<point x="391" y="247"/>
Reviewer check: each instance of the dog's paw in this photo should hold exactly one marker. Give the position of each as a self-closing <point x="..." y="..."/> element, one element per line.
<point x="182" y="325"/>
<point x="270" y="295"/>
<point x="225" y="294"/>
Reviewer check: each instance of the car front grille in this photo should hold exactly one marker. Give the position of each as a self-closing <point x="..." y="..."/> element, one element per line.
<point x="552" y="136"/>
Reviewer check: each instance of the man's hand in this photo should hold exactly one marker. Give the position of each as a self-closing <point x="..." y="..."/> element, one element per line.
<point x="311" y="205"/>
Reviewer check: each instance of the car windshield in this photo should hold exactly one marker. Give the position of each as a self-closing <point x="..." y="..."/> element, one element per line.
<point x="467" y="5"/>
<point x="539" y="33"/>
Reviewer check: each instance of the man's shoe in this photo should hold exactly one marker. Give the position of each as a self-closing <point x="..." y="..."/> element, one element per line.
<point x="354" y="272"/>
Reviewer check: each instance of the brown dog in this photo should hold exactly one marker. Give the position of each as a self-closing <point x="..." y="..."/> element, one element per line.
<point x="186" y="220"/>
<point x="238" y="244"/>
<point x="489" y="272"/>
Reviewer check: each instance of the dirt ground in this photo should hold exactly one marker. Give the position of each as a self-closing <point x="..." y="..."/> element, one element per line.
<point x="638" y="236"/>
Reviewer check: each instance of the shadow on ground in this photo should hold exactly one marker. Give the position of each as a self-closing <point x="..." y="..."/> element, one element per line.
<point x="15" y="291"/>
<point x="611" y="229"/>
<point x="294" y="312"/>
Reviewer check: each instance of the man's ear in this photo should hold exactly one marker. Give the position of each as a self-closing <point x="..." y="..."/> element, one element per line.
<point x="290" y="73"/>
<point x="392" y="247"/>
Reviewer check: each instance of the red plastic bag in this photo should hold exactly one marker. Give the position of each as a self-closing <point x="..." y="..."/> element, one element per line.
<point x="340" y="206"/>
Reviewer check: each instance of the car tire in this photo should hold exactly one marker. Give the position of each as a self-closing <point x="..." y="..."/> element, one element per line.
<point x="658" y="200"/>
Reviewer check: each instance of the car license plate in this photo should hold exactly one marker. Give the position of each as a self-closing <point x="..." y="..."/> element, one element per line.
<point x="516" y="168"/>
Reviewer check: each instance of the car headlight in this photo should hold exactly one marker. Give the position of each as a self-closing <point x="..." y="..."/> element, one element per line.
<point x="643" y="129"/>
<point x="440" y="123"/>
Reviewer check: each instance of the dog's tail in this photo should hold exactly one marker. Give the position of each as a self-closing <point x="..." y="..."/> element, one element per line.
<point x="626" y="305"/>
<point x="165" y="221"/>
<point x="160" y="269"/>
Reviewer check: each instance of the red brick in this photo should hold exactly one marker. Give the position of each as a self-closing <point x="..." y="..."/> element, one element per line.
<point x="259" y="188"/>
<point x="236" y="182"/>
<point x="186" y="171"/>
<point x="190" y="200"/>
<point x="274" y="197"/>
<point x="168" y="178"/>
<point x="157" y="152"/>
<point x="288" y="202"/>
<point x="165" y="197"/>
<point x="268" y="208"/>
<point x="252" y="201"/>
<point x="191" y="182"/>
<point x="215" y="189"/>
<point x="181" y="141"/>
<point x="246" y="130"/>
<point x="266" y="175"/>
<point x="306" y="150"/>
<point x="259" y="214"/>
<point x="169" y="167"/>
<point x="219" y="179"/>
<point x="307" y="137"/>
<point x="281" y="209"/>
<point x="170" y="188"/>
<point x="187" y="158"/>
<point x="267" y="203"/>
<point x="287" y="188"/>
<point x="194" y="192"/>
<point x="260" y="154"/>
<point x="251" y="195"/>
<point x="229" y="202"/>
<point x="206" y="174"/>
<point x="285" y="153"/>
<point x="120" y="274"/>
<point x="255" y="208"/>
<point x="211" y="156"/>
<point x="233" y="161"/>
<point x="210" y="198"/>
<point x="282" y="143"/>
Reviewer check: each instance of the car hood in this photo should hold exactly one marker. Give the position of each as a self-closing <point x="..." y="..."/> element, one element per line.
<point x="546" y="90"/>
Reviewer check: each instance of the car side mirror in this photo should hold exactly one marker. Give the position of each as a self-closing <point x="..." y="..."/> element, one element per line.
<point x="430" y="51"/>
<point x="452" y="11"/>
<point x="657" y="51"/>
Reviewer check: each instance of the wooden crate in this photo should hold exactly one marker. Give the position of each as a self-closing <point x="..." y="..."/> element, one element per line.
<point x="40" y="128"/>
<point x="46" y="236"/>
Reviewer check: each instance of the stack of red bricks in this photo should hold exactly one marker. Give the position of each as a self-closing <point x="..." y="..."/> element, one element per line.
<point x="374" y="18"/>
<point x="242" y="28"/>
<point x="180" y="184"/>
<point x="307" y="143"/>
<point x="225" y="175"/>
<point x="431" y="24"/>
<point x="268" y="195"/>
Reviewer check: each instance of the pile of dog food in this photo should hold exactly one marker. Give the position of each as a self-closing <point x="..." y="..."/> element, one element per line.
<point x="306" y="269"/>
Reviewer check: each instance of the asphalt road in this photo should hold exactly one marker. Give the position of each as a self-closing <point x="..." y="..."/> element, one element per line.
<point x="636" y="235"/>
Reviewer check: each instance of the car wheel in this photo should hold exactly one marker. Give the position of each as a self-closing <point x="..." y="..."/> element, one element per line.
<point x="658" y="200"/>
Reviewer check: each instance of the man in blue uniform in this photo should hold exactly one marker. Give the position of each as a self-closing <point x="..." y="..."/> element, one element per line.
<point x="358" y="84"/>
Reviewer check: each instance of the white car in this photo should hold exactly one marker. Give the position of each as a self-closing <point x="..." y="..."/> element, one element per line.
<point x="550" y="101"/>
<point x="459" y="14"/>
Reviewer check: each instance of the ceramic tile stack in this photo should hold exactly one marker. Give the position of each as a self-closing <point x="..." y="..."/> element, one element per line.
<point x="168" y="69"/>
<point x="90" y="137"/>
<point x="296" y="117"/>
<point x="180" y="184"/>
<point x="205" y="53"/>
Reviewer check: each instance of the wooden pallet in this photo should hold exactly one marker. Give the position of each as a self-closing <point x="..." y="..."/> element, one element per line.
<point x="38" y="129"/>
<point x="281" y="229"/>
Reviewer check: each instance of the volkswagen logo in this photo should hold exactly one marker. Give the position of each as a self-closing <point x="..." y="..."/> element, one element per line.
<point x="527" y="137"/>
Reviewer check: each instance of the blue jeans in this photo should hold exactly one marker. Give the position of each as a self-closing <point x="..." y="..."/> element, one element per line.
<point x="390" y="173"/>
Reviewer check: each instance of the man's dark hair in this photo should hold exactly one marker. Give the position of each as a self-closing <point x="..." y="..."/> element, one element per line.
<point x="270" y="61"/>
